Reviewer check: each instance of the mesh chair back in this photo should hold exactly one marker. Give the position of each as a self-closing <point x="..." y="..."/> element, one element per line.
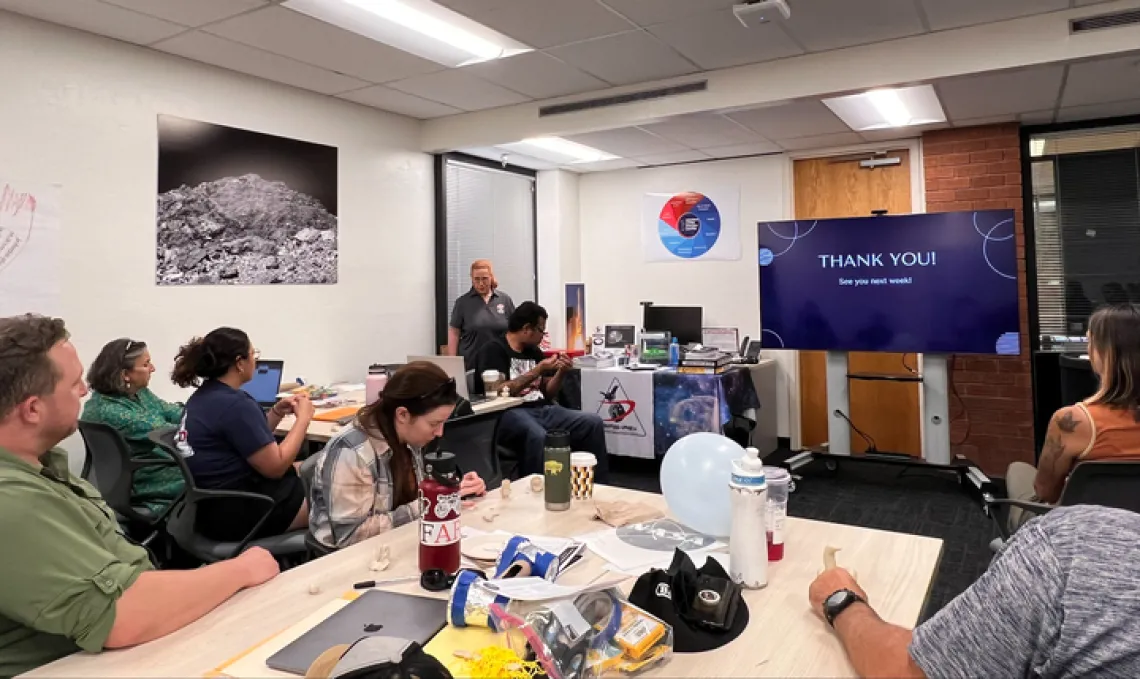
<point x="1105" y="483"/>
<point x="109" y="457"/>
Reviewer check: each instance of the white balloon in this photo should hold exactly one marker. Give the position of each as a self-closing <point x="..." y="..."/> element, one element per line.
<point x="694" y="480"/>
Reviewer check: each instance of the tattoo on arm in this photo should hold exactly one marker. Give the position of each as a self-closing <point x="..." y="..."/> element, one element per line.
<point x="1066" y="422"/>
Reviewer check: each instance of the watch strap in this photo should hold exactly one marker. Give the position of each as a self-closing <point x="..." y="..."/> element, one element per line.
<point x="830" y="612"/>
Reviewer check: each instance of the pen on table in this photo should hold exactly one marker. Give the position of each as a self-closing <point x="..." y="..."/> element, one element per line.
<point x="369" y="584"/>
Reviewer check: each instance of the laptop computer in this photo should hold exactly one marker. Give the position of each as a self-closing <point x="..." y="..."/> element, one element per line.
<point x="374" y="613"/>
<point x="455" y="368"/>
<point x="266" y="382"/>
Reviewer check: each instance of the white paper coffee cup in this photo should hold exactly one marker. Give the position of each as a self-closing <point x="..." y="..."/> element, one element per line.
<point x="582" y="475"/>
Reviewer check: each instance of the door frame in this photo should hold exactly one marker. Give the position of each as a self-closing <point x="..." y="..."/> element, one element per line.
<point x="918" y="205"/>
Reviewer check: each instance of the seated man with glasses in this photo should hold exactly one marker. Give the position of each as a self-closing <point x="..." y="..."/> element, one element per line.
<point x="366" y="480"/>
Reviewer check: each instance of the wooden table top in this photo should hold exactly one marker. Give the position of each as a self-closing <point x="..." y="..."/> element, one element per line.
<point x="783" y="639"/>
<point x="321" y="432"/>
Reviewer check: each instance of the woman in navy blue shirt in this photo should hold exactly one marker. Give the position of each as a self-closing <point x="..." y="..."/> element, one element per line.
<point x="228" y="441"/>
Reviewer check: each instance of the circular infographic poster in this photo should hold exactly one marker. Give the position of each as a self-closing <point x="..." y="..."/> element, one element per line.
<point x="689" y="225"/>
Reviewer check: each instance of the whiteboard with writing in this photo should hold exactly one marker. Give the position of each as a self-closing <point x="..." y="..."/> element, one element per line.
<point x="30" y="271"/>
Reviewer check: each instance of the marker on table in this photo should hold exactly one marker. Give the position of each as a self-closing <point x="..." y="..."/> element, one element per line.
<point x="369" y="584"/>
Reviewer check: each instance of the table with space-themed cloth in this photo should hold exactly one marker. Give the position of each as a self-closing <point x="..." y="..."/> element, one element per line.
<point x="645" y="412"/>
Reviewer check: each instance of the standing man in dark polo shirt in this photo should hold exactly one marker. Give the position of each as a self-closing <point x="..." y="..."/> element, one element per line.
<point x="480" y="315"/>
<point x="69" y="579"/>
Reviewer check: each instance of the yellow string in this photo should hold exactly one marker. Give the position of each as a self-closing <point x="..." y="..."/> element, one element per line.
<point x="497" y="662"/>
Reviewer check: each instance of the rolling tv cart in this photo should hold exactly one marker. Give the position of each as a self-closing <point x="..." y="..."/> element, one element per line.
<point x="934" y="400"/>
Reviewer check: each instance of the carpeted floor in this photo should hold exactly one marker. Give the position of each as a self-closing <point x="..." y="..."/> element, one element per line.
<point x="879" y="496"/>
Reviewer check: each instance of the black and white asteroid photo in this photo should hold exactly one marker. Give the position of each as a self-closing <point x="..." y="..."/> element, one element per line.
<point x="237" y="207"/>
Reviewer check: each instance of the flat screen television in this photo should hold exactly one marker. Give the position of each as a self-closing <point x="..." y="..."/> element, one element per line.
<point x="682" y="322"/>
<point x="924" y="283"/>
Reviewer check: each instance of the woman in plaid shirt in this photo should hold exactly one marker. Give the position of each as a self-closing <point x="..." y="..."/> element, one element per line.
<point x="366" y="480"/>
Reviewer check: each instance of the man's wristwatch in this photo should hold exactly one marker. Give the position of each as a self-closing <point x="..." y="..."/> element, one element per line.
<point x="838" y="602"/>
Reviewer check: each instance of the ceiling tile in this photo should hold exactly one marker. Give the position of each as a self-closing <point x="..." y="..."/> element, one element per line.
<point x="648" y="12"/>
<point x="737" y="150"/>
<point x="1036" y="117"/>
<point x="387" y="99"/>
<point x="96" y="17"/>
<point x="701" y="130"/>
<point x="190" y="12"/>
<point x="292" y="34"/>
<point x="605" y="165"/>
<point x="1102" y="81"/>
<point x="797" y="119"/>
<point x="831" y="24"/>
<point x="625" y="59"/>
<point x="211" y="49"/>
<point x="627" y="142"/>
<point x="537" y="75"/>
<point x="942" y="14"/>
<point x="545" y="23"/>
<point x="461" y="90"/>
<point x="892" y="134"/>
<point x="675" y="157"/>
<point x="821" y="141"/>
<point x="717" y="40"/>
<point x="994" y="94"/>
<point x="1094" y="111"/>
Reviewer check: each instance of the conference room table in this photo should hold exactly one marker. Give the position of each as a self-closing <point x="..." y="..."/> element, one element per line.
<point x="783" y="638"/>
<point x="321" y="432"/>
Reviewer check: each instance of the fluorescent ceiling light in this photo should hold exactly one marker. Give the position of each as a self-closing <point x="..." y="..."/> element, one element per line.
<point x="420" y="27"/>
<point x="1037" y="147"/>
<point x="558" y="150"/>
<point x="888" y="108"/>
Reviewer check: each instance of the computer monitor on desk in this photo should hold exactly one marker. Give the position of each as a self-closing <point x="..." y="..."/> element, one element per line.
<point x="684" y="323"/>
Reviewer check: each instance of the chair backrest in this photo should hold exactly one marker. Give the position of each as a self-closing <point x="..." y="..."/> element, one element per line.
<point x="1078" y="381"/>
<point x="182" y="521"/>
<point x="1107" y="483"/>
<point x="109" y="458"/>
<point x="472" y="440"/>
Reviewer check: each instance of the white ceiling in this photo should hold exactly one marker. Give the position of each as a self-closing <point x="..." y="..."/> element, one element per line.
<point x="589" y="45"/>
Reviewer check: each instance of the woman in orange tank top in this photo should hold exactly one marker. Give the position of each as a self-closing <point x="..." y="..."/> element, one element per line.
<point x="1103" y="426"/>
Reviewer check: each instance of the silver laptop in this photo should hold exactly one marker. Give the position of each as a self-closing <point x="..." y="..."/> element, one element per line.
<point x="453" y="366"/>
<point x="374" y="614"/>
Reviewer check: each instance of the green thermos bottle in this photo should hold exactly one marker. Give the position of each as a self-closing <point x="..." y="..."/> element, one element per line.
<point x="556" y="470"/>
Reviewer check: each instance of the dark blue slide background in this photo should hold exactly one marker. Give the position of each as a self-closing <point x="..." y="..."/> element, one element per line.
<point x="966" y="302"/>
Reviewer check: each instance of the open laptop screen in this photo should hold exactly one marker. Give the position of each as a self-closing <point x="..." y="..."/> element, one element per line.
<point x="266" y="382"/>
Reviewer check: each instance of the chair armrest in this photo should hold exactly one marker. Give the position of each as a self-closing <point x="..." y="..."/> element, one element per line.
<point x="1035" y="507"/>
<point x="217" y="494"/>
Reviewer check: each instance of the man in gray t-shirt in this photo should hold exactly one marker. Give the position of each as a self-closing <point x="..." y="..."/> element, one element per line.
<point x="1062" y="599"/>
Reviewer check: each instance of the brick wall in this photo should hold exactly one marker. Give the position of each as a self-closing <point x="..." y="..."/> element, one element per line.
<point x="979" y="168"/>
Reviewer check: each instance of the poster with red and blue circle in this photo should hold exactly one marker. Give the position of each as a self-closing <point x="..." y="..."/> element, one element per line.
<point x="692" y="225"/>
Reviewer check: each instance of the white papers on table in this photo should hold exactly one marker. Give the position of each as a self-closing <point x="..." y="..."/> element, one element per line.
<point x="699" y="559"/>
<point x="539" y="589"/>
<point x="621" y="549"/>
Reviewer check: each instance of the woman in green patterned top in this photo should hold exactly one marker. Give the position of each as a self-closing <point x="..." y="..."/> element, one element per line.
<point x="119" y="377"/>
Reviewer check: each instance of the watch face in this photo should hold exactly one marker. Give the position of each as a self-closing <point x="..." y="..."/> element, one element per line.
<point x="836" y="599"/>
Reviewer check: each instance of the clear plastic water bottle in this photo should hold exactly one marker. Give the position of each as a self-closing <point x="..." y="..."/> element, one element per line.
<point x="675" y="353"/>
<point x="748" y="551"/>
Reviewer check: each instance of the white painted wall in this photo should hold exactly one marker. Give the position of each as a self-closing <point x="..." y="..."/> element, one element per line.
<point x="559" y="248"/>
<point x="81" y="111"/>
<point x="617" y="277"/>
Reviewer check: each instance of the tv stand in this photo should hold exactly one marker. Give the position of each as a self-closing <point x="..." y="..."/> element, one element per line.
<point x="934" y="405"/>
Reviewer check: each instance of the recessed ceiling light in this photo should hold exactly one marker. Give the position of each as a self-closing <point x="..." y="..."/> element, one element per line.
<point x="887" y="108"/>
<point x="420" y="27"/>
<point x="558" y="150"/>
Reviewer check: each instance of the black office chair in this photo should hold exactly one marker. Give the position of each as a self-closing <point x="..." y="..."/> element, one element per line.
<point x="181" y="526"/>
<point x="473" y="441"/>
<point x="110" y="467"/>
<point x="1078" y="381"/>
<point x="1106" y="483"/>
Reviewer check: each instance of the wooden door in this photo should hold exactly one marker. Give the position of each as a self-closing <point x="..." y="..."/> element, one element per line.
<point x="887" y="411"/>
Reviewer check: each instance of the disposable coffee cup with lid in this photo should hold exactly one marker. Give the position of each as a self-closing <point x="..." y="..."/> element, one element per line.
<point x="582" y="475"/>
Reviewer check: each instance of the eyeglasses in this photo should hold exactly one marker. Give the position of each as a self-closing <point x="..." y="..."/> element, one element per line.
<point x="256" y="354"/>
<point x="131" y="345"/>
<point x="445" y="389"/>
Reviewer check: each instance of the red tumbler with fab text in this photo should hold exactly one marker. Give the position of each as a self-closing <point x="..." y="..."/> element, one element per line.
<point x="439" y="514"/>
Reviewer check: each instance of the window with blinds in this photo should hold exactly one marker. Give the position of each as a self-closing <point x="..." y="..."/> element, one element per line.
<point x="490" y="214"/>
<point x="1086" y="227"/>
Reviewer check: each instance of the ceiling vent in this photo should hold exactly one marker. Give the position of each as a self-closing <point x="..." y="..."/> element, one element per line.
<point x="619" y="99"/>
<point x="1116" y="20"/>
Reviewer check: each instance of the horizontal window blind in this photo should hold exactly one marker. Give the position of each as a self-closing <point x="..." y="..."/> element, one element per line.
<point x="1086" y="206"/>
<point x="490" y="215"/>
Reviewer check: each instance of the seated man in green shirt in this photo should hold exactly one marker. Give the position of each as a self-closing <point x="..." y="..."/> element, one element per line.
<point x="69" y="580"/>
